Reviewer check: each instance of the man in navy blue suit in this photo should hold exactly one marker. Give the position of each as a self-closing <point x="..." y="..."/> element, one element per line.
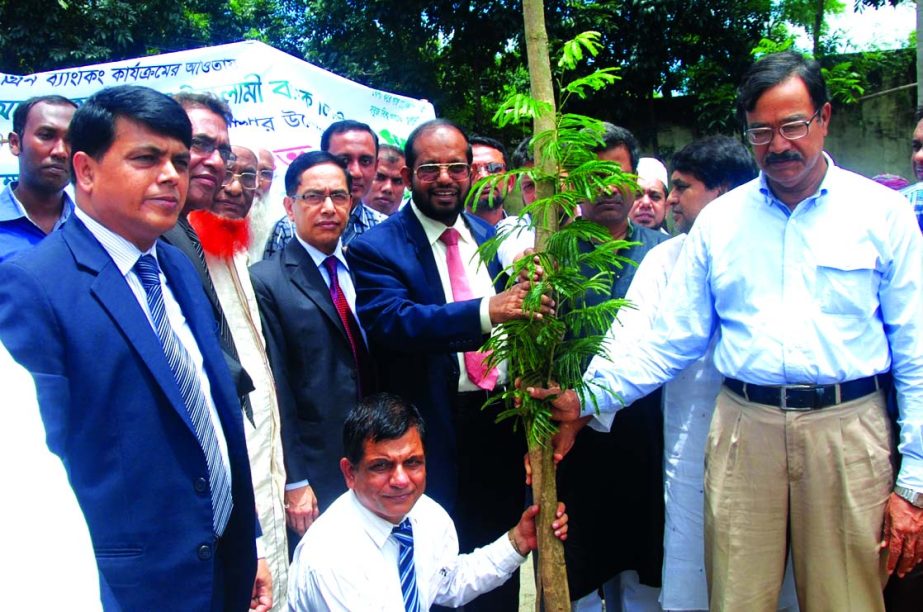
<point x="135" y="395"/>
<point x="427" y="304"/>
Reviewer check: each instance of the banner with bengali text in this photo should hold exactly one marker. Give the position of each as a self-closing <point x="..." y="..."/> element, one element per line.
<point x="280" y="101"/>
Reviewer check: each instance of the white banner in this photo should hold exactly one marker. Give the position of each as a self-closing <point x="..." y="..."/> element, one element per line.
<point x="282" y="101"/>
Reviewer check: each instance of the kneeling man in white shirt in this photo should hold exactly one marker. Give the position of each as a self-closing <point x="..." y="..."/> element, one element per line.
<point x="384" y="545"/>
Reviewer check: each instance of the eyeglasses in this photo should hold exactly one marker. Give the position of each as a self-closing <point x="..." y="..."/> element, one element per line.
<point x="491" y="168"/>
<point x="316" y="198"/>
<point x="430" y="172"/>
<point x="266" y="175"/>
<point x="203" y="145"/>
<point x="793" y="130"/>
<point x="247" y="180"/>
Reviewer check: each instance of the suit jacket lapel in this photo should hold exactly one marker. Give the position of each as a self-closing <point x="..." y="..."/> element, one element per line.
<point x="116" y="297"/>
<point x="423" y="253"/>
<point x="303" y="273"/>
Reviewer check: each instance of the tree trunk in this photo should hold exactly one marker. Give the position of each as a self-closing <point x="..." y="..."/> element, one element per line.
<point x="818" y="24"/>
<point x="551" y="577"/>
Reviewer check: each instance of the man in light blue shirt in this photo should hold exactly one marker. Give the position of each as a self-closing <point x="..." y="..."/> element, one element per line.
<point x="37" y="204"/>
<point x="810" y="278"/>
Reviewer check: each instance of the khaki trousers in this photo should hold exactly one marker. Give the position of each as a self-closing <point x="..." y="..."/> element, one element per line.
<point x="818" y="480"/>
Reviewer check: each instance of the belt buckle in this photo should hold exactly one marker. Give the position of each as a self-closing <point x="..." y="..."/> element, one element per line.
<point x="783" y="400"/>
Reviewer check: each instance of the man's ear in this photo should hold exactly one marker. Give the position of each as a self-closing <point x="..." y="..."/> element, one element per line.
<point x="349" y="473"/>
<point x="15" y="143"/>
<point x="84" y="171"/>
<point x="406" y="174"/>
<point x="288" y="202"/>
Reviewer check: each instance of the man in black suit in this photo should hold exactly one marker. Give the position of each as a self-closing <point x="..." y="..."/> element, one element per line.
<point x="316" y="348"/>
<point x="209" y="155"/>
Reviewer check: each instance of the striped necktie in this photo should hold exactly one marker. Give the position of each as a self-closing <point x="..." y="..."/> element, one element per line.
<point x="403" y="533"/>
<point x="184" y="372"/>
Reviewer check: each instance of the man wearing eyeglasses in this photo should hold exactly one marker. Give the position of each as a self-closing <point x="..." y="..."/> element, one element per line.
<point x="224" y="232"/>
<point x="318" y="352"/>
<point x="489" y="158"/>
<point x="428" y="304"/>
<point x="810" y="278"/>
<point x="209" y="155"/>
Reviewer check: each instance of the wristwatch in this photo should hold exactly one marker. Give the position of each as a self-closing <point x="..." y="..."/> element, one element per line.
<point x="911" y="496"/>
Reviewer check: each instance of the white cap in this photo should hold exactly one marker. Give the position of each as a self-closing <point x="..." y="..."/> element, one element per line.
<point x="651" y="169"/>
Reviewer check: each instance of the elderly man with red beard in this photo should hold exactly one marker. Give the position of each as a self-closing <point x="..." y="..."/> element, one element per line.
<point x="225" y="236"/>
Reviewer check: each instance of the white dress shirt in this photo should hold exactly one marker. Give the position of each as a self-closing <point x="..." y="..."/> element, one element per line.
<point x="479" y="280"/>
<point x="347" y="561"/>
<point x="125" y="255"/>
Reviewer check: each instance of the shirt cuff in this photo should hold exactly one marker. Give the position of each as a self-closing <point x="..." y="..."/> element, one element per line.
<point x="502" y="554"/>
<point x="911" y="474"/>
<point x="296" y="485"/>
<point x="485" y="315"/>
<point x="260" y="548"/>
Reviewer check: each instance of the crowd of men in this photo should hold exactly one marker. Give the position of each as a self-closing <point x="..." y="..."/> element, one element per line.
<point x="287" y="414"/>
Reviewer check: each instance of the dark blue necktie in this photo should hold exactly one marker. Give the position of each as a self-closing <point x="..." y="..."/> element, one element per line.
<point x="185" y="374"/>
<point x="403" y="533"/>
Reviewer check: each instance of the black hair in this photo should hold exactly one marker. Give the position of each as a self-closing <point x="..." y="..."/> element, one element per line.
<point x="208" y="101"/>
<point x="522" y="154"/>
<point x="716" y="161"/>
<point x="21" y="114"/>
<point x="617" y="136"/>
<point x="493" y="143"/>
<point x="774" y="69"/>
<point x="390" y="152"/>
<point x="341" y="127"/>
<point x="92" y="130"/>
<point x="918" y="115"/>
<point x="309" y="160"/>
<point x="410" y="156"/>
<point x="382" y="416"/>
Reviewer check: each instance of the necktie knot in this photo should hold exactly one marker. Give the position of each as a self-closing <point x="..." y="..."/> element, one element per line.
<point x="449" y="237"/>
<point x="331" y="264"/>
<point x="404" y="529"/>
<point x="148" y="271"/>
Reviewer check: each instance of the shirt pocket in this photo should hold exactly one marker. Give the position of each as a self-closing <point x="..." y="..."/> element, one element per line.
<point x="847" y="283"/>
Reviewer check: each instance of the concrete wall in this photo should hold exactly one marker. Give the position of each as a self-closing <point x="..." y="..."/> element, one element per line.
<point x="870" y="137"/>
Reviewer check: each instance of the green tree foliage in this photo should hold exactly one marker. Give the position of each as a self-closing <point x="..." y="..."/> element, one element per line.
<point x="44" y="35"/>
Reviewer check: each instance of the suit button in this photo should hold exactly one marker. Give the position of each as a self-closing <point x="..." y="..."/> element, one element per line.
<point x="205" y="552"/>
<point x="201" y="485"/>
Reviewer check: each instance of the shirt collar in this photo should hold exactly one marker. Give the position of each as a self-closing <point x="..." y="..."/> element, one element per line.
<point x="11" y="208"/>
<point x="318" y="256"/>
<point x="379" y="529"/>
<point x="816" y="198"/>
<point x="434" y="229"/>
<point x="123" y="253"/>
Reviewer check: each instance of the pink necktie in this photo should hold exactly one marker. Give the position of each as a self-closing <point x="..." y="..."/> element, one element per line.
<point x="458" y="278"/>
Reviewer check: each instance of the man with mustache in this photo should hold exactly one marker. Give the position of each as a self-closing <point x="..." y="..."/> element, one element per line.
<point x="387" y="192"/>
<point x="489" y="158"/>
<point x="810" y="279"/>
<point x="428" y="304"/>
<point x="37" y="204"/>
<point x="224" y="232"/>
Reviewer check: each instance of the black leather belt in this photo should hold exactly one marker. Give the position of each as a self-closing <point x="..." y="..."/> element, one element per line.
<point x="808" y="397"/>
